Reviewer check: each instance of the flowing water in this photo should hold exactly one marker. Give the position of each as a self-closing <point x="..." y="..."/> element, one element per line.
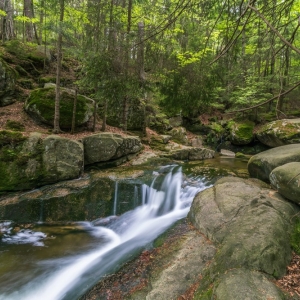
<point x="55" y="262"/>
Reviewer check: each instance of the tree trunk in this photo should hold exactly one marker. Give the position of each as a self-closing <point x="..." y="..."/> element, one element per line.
<point x="7" y="24"/>
<point x="56" y="128"/>
<point x="29" y="32"/>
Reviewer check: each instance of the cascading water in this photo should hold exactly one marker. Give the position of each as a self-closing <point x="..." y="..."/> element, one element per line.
<point x="71" y="276"/>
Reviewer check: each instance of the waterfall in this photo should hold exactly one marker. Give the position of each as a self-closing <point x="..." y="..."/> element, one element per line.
<point x="164" y="202"/>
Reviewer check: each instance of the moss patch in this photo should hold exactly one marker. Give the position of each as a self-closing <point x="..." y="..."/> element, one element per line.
<point x="41" y="103"/>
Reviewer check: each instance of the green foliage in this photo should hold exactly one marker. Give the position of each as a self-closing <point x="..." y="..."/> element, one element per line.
<point x="2" y="13"/>
<point x="254" y="92"/>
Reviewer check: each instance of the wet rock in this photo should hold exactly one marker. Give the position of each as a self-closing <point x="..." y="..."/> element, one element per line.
<point x="280" y="132"/>
<point x="286" y="180"/>
<point x="261" y="165"/>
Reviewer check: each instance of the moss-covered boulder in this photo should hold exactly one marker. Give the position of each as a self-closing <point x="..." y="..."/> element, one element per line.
<point x="8" y="79"/>
<point x="286" y="180"/>
<point x="250" y="225"/>
<point x="280" y="132"/>
<point x="40" y="106"/>
<point x="241" y="133"/>
<point x="27" y="163"/>
<point x="103" y="147"/>
<point x="261" y="165"/>
<point x="178" y="135"/>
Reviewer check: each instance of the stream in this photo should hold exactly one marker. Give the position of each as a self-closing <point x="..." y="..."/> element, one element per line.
<point x="63" y="262"/>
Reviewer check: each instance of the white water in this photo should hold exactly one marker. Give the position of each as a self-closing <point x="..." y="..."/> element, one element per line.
<point x="159" y="210"/>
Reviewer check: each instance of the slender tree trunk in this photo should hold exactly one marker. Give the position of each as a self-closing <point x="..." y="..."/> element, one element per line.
<point x="141" y="72"/>
<point x="127" y="55"/>
<point x="29" y="33"/>
<point x="56" y="128"/>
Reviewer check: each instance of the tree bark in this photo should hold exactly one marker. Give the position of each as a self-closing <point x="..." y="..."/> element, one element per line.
<point x="56" y="128"/>
<point x="7" y="24"/>
<point x="27" y="12"/>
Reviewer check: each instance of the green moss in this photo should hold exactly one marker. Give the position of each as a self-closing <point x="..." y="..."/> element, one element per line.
<point x="24" y="51"/>
<point x="44" y="101"/>
<point x="14" y="125"/>
<point x="245" y="130"/>
<point x="295" y="236"/>
<point x="207" y="295"/>
<point x="217" y="127"/>
<point x="10" y="138"/>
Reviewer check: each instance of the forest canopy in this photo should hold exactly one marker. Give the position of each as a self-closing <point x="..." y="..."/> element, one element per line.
<point x="185" y="55"/>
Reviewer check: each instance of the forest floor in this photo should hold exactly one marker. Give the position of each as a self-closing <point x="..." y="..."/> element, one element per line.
<point x="15" y="112"/>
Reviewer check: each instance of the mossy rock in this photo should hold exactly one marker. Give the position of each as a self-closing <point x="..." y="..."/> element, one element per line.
<point x="280" y="133"/>
<point x="26" y="163"/>
<point x="241" y="133"/>
<point x="41" y="102"/>
<point x="135" y="116"/>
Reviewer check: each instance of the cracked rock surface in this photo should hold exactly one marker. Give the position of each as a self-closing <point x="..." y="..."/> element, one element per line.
<point x="250" y="225"/>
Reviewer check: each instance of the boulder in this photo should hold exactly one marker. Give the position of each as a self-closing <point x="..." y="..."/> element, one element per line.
<point x="191" y="153"/>
<point x="179" y="135"/>
<point x="241" y="284"/>
<point x="27" y="163"/>
<point x="261" y="165"/>
<point x="40" y="106"/>
<point x="286" y="180"/>
<point x="196" y="142"/>
<point x="250" y="225"/>
<point x="175" y="121"/>
<point x="241" y="133"/>
<point x="103" y="147"/>
<point x="228" y="153"/>
<point x="280" y="132"/>
<point x="62" y="158"/>
<point x="7" y="84"/>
